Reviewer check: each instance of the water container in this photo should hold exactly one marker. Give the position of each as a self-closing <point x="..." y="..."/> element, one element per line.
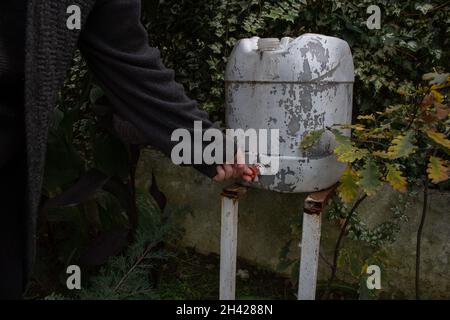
<point x="297" y="86"/>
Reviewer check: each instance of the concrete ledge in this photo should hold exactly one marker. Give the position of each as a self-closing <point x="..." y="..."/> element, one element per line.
<point x="266" y="219"/>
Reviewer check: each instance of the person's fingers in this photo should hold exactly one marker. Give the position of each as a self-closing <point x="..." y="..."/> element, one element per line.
<point x="247" y="170"/>
<point x="240" y="159"/>
<point x="229" y="172"/>
<point x="239" y="167"/>
<point x="220" y="174"/>
<point x="238" y="172"/>
<point x="250" y="173"/>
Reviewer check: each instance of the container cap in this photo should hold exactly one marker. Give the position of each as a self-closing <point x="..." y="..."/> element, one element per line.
<point x="268" y="44"/>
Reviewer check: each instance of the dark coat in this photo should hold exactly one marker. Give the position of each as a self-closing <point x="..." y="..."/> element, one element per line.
<point x="115" y="45"/>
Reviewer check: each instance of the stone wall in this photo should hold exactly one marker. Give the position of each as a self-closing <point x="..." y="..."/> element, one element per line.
<point x="265" y="220"/>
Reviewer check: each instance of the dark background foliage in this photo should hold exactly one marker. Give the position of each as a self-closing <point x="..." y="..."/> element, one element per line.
<point x="196" y="37"/>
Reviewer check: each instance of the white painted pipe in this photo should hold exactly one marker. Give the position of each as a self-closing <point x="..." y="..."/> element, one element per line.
<point x="309" y="256"/>
<point x="228" y="248"/>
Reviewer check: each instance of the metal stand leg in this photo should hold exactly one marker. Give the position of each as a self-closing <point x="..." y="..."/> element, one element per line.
<point x="309" y="257"/>
<point x="228" y="241"/>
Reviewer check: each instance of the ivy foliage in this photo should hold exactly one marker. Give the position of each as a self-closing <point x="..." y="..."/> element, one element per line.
<point x="196" y="37"/>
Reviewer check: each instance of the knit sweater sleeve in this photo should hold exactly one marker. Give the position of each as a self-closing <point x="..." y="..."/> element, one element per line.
<point x="140" y="88"/>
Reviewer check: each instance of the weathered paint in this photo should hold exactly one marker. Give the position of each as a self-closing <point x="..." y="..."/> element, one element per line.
<point x="228" y="240"/>
<point x="310" y="245"/>
<point x="304" y="85"/>
<point x="309" y="256"/>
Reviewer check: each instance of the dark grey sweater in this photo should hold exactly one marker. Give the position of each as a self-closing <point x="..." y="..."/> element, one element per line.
<point x="141" y="89"/>
<point x="131" y="73"/>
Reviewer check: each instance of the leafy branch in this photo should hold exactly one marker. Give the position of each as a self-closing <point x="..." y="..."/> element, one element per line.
<point x="405" y="138"/>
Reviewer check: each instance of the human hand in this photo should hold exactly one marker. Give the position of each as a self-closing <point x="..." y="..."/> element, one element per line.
<point x="237" y="170"/>
<point x="234" y="171"/>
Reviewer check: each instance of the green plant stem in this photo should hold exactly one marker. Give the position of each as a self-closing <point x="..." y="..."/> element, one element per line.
<point x="419" y="237"/>
<point x="337" y="248"/>
<point x="138" y="262"/>
<point x="414" y="116"/>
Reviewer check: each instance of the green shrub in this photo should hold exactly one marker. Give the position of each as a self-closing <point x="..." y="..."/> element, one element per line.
<point x="196" y="37"/>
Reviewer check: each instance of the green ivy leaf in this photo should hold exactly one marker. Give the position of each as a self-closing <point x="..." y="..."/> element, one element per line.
<point x="395" y="178"/>
<point x="350" y="154"/>
<point x="345" y="150"/>
<point x="348" y="187"/>
<point x="437" y="170"/>
<point x="369" y="178"/>
<point x="402" y="146"/>
<point x="439" y="138"/>
<point x="310" y="139"/>
<point x="435" y="78"/>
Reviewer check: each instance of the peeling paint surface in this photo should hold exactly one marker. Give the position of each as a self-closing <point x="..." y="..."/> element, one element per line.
<point x="304" y="85"/>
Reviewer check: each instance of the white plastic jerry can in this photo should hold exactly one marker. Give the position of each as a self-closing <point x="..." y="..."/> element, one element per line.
<point x="297" y="86"/>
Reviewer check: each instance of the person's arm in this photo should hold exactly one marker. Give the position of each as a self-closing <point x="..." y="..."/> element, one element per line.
<point x="140" y="88"/>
